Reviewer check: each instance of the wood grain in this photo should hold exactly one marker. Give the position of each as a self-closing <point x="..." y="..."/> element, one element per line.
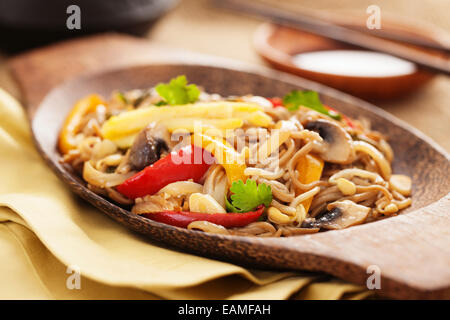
<point x="411" y="250"/>
<point x="75" y="57"/>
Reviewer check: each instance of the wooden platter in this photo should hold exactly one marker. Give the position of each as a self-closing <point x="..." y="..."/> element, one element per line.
<point x="411" y="250"/>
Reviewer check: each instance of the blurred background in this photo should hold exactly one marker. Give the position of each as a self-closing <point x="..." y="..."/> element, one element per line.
<point x="203" y="26"/>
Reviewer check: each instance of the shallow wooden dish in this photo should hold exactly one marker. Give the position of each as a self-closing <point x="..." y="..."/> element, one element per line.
<point x="278" y="45"/>
<point x="411" y="250"/>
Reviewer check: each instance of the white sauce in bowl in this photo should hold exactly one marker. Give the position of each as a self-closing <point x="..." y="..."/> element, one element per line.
<point x="354" y="63"/>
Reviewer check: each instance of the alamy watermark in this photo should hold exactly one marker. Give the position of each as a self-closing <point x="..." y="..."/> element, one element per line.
<point x="73" y="21"/>
<point x="74" y="280"/>
<point x="374" y="280"/>
<point x="374" y="19"/>
<point x="218" y="146"/>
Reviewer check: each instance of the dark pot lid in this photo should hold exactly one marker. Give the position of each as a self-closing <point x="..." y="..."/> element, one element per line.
<point x="95" y="14"/>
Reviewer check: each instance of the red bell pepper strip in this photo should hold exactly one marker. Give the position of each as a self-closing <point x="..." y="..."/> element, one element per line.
<point x="182" y="218"/>
<point x="166" y="170"/>
<point x="276" y="102"/>
<point x="344" y="117"/>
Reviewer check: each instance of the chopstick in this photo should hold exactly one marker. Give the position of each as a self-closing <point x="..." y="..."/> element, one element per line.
<point x="435" y="63"/>
<point x="407" y="39"/>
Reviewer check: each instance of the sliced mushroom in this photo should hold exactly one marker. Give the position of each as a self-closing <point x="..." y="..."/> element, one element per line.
<point x="148" y="146"/>
<point x="340" y="215"/>
<point x="336" y="146"/>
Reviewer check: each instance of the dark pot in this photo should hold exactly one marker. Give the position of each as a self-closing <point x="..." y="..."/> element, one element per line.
<point x="29" y="23"/>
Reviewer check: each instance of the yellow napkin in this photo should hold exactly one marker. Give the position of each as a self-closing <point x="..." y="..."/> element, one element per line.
<point x="45" y="229"/>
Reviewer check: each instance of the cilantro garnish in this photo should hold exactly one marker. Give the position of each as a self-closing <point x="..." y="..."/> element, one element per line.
<point x="161" y="103"/>
<point x="177" y="91"/>
<point x="309" y="99"/>
<point x="248" y="196"/>
<point x="122" y="97"/>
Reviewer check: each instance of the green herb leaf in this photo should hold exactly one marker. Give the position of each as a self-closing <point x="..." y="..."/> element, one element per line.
<point x="309" y="99"/>
<point x="177" y="91"/>
<point x="122" y="97"/>
<point x="248" y="196"/>
<point x="230" y="207"/>
<point x="161" y="103"/>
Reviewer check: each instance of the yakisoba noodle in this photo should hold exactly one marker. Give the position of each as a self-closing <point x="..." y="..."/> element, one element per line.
<point x="267" y="166"/>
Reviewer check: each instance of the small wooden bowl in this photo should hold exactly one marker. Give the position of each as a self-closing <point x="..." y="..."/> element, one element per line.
<point x="278" y="45"/>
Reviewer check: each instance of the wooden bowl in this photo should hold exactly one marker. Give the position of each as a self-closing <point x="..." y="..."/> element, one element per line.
<point x="278" y="45"/>
<point x="411" y="250"/>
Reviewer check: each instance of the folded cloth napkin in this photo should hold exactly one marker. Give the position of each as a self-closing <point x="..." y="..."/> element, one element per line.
<point x="53" y="245"/>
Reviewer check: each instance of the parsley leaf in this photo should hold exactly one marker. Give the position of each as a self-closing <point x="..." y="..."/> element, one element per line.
<point x="248" y="196"/>
<point x="177" y="91"/>
<point x="309" y="99"/>
<point x="122" y="97"/>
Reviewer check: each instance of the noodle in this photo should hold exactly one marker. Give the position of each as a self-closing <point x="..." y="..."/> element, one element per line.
<point x="304" y="196"/>
<point x="376" y="155"/>
<point x="264" y="173"/>
<point x="102" y="179"/>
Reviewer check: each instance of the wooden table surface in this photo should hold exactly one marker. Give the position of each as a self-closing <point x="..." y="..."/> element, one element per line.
<point x="195" y="25"/>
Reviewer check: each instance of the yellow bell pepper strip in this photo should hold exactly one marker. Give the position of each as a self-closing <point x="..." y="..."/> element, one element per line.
<point x="71" y="125"/>
<point x="191" y="124"/>
<point x="125" y="142"/>
<point x="225" y="154"/>
<point x="188" y="125"/>
<point x="133" y="121"/>
<point x="310" y="169"/>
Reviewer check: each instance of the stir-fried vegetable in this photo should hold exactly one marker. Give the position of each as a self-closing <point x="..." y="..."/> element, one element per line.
<point x="248" y="196"/>
<point x="192" y="124"/>
<point x="309" y="99"/>
<point x="177" y="91"/>
<point x="183" y="219"/>
<point x="189" y="125"/>
<point x="177" y="166"/>
<point x="73" y="121"/>
<point x="276" y="102"/>
<point x="224" y="153"/>
<point x="344" y="118"/>
<point x="131" y="122"/>
<point x="310" y="169"/>
<point x="121" y="97"/>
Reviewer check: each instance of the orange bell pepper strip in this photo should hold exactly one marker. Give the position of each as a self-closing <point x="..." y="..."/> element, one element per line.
<point x="310" y="169"/>
<point x="72" y="124"/>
